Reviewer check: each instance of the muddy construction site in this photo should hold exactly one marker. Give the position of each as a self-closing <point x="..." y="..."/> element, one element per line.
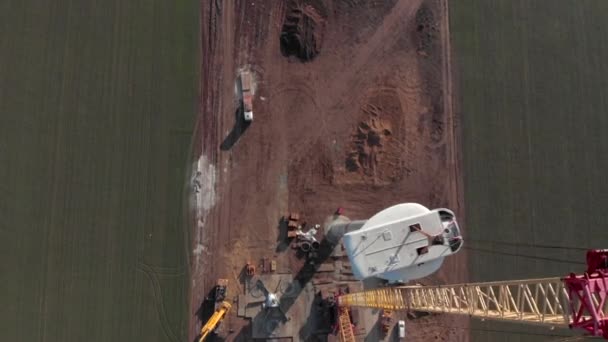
<point x="352" y="109"/>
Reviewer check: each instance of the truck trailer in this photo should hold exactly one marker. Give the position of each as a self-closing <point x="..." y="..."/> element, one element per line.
<point x="247" y="95"/>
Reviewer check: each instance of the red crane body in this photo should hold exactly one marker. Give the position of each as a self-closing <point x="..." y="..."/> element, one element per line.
<point x="587" y="295"/>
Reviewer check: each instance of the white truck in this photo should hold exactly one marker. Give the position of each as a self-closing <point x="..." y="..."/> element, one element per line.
<point x="401" y="329"/>
<point x="247" y="95"/>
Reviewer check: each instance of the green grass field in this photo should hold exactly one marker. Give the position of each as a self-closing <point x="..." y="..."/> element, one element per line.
<point x="97" y="106"/>
<point x="533" y="85"/>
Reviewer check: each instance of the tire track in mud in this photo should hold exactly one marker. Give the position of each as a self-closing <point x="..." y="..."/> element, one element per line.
<point x="211" y="113"/>
<point x="363" y="67"/>
<point x="305" y="91"/>
<point x="454" y="188"/>
<point x="451" y="121"/>
<point x="223" y="72"/>
<point x="207" y="131"/>
<point x="381" y="40"/>
<point x="223" y="115"/>
<point x="216" y="115"/>
<point x="159" y="304"/>
<point x="164" y="271"/>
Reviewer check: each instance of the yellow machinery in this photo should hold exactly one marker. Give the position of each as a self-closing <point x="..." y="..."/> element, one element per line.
<point x="345" y="326"/>
<point x="215" y="319"/>
<point x="536" y="301"/>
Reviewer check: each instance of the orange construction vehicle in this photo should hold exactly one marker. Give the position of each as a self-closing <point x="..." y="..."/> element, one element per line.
<point x="293" y="224"/>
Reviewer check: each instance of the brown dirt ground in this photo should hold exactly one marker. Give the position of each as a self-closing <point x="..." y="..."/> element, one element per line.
<point x="353" y="108"/>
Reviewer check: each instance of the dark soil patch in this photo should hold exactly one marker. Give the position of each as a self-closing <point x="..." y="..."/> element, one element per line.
<point x="302" y="32"/>
<point x="427" y="30"/>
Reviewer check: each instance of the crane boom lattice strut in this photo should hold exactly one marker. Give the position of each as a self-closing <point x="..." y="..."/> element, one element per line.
<point x="346" y="328"/>
<point x="577" y="301"/>
<point x="535" y="301"/>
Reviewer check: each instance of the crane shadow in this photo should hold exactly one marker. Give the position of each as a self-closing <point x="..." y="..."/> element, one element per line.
<point x="307" y="272"/>
<point x="244" y="334"/>
<point x="318" y="322"/>
<point x="303" y="277"/>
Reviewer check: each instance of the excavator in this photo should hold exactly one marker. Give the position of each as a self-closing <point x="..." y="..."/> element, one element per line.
<point x="215" y="319"/>
<point x="221" y="309"/>
<point x="575" y="301"/>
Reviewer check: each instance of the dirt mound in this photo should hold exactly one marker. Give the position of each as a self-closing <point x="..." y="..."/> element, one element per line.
<point x="376" y="145"/>
<point x="368" y="142"/>
<point x="302" y="32"/>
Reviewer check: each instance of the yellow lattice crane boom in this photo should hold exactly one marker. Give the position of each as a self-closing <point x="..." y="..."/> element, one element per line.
<point x="576" y="301"/>
<point x="345" y="326"/>
<point x="533" y="301"/>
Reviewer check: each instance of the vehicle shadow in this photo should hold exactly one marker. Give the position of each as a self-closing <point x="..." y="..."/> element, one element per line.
<point x="239" y="128"/>
<point x="282" y="239"/>
<point x="206" y="309"/>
